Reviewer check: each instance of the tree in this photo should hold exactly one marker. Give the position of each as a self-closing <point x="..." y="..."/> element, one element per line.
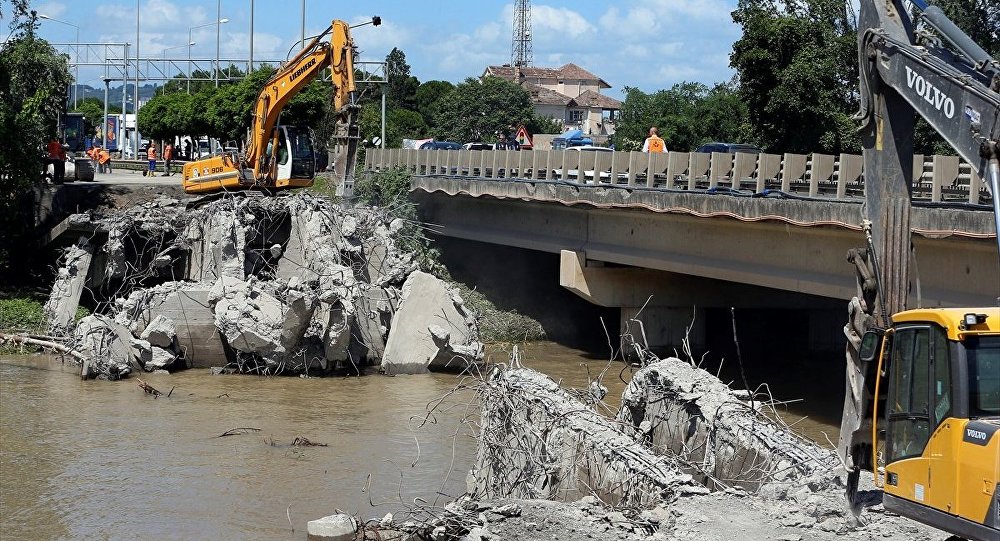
<point x="478" y="108"/>
<point x="428" y="97"/>
<point x="93" y="113"/>
<point x="229" y="111"/>
<point x="169" y="115"/>
<point x="797" y="70"/>
<point x="687" y="115"/>
<point x="33" y="82"/>
<point x="404" y="123"/>
<point x="402" y="87"/>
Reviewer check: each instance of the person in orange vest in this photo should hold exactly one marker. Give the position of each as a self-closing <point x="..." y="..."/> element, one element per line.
<point x="151" y="156"/>
<point x="57" y="157"/>
<point x="168" y="156"/>
<point x="104" y="159"/>
<point x="653" y="143"/>
<point x="92" y="154"/>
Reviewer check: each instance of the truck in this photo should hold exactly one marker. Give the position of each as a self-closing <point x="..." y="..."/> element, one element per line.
<point x="277" y="156"/>
<point x="922" y="400"/>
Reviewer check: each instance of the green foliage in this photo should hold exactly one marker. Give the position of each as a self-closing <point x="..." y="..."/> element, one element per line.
<point x="687" y="115"/>
<point x="383" y="189"/>
<point x="308" y="107"/>
<point x="480" y="107"/>
<point x="33" y="82"/>
<point x="538" y="124"/>
<point x="428" y="97"/>
<point x="797" y="69"/>
<point x="499" y="326"/>
<point x="402" y="87"/>
<point x="166" y="116"/>
<point x="21" y="314"/>
<point x="229" y="110"/>
<point x="404" y="123"/>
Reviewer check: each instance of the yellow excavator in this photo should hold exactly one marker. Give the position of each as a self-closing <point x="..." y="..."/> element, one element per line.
<point x="276" y="156"/>
<point x="922" y="404"/>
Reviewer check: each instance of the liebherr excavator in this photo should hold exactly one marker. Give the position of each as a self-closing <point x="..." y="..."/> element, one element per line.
<point x="282" y="156"/>
<point x="922" y="404"/>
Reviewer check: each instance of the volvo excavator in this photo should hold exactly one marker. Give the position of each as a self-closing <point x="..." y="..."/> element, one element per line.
<point x="922" y="403"/>
<point x="276" y="156"/>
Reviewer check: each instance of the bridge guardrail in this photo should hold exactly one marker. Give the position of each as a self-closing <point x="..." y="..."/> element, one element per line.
<point x="939" y="179"/>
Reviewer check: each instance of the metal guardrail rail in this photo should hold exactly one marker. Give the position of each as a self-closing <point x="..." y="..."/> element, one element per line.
<point x="938" y="179"/>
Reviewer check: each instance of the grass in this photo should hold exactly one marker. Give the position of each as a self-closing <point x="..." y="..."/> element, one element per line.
<point x="500" y="326"/>
<point x="23" y="312"/>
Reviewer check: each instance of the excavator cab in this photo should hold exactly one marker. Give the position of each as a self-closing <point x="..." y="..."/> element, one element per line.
<point x="938" y="384"/>
<point x="295" y="160"/>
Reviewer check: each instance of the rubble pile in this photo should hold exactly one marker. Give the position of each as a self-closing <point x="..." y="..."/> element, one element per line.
<point x="685" y="411"/>
<point x="538" y="441"/>
<point x="291" y="284"/>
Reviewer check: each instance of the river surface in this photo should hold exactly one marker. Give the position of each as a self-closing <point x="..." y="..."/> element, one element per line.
<point x="102" y="460"/>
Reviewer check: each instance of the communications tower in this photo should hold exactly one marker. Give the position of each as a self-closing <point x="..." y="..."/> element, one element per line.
<point x="520" y="46"/>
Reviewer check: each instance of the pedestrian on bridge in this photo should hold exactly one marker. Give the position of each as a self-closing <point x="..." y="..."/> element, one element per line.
<point x="653" y="143"/>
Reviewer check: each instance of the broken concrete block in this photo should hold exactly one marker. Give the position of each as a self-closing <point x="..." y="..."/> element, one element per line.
<point x="374" y="310"/>
<point x="160" y="332"/>
<point x="413" y="347"/>
<point x="64" y="299"/>
<point x="340" y="527"/>
<point x="107" y="344"/>
<point x="686" y="411"/>
<point x="187" y="305"/>
<point x="161" y="359"/>
<point x="249" y="318"/>
<point x="142" y="350"/>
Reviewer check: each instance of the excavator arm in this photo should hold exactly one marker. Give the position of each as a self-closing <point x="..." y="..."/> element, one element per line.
<point x="955" y="89"/>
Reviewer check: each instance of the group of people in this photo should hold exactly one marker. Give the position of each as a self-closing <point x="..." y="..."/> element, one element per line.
<point x="151" y="155"/>
<point x="101" y="159"/>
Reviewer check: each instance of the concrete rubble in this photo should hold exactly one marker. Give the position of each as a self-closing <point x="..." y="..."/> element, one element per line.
<point x="292" y="284"/>
<point x="687" y="412"/>
<point x="628" y="479"/>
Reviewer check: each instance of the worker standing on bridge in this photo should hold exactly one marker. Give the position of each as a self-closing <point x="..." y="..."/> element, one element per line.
<point x="653" y="143"/>
<point x="168" y="156"/>
<point x="151" y="156"/>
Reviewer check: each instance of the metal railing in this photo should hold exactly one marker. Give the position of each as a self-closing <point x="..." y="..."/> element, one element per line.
<point x="939" y="179"/>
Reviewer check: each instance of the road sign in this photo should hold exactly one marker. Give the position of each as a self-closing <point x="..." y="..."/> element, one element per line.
<point x="523" y="138"/>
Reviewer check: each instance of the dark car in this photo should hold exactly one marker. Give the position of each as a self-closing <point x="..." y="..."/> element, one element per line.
<point x="730" y="148"/>
<point x="440" y="145"/>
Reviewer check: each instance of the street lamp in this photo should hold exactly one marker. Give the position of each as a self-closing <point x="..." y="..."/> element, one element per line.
<point x="76" y="53"/>
<point x="218" y="38"/>
<point x="215" y="22"/>
<point x="250" y="67"/>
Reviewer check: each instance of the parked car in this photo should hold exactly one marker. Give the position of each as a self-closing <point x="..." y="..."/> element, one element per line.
<point x="478" y="146"/>
<point x="440" y="145"/>
<point x="731" y="148"/>
<point x="588" y="175"/>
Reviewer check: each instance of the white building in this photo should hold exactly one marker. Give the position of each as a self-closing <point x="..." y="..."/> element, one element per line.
<point x="569" y="94"/>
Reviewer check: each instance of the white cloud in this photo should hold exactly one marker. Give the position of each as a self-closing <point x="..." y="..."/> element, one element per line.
<point x="51" y="9"/>
<point x="558" y="23"/>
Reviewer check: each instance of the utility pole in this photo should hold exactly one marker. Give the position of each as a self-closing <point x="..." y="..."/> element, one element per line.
<point x="520" y="44"/>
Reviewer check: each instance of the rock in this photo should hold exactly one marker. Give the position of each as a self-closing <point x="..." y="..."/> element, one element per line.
<point x="477" y="533"/>
<point x="160" y="332"/>
<point x="386" y="521"/>
<point x="108" y="344"/>
<point x="340" y="527"/>
<point x="429" y="330"/>
<point x="161" y="359"/>
<point x="142" y="350"/>
<point x="64" y="298"/>
<point x="789" y="537"/>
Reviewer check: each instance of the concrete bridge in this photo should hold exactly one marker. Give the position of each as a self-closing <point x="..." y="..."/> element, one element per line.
<point x="662" y="233"/>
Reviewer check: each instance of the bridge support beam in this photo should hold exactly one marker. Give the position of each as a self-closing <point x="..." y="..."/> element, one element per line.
<point x="643" y="295"/>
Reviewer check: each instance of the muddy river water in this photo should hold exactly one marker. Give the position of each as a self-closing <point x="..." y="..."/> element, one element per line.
<point x="101" y="460"/>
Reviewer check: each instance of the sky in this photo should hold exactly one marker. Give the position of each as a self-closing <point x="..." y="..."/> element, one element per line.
<point x="648" y="44"/>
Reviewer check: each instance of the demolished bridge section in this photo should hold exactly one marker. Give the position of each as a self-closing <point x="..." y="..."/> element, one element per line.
<point x="291" y="284"/>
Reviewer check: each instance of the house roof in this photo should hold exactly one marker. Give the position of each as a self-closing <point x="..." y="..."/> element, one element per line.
<point x="593" y="99"/>
<point x="544" y="96"/>
<point x="566" y="71"/>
